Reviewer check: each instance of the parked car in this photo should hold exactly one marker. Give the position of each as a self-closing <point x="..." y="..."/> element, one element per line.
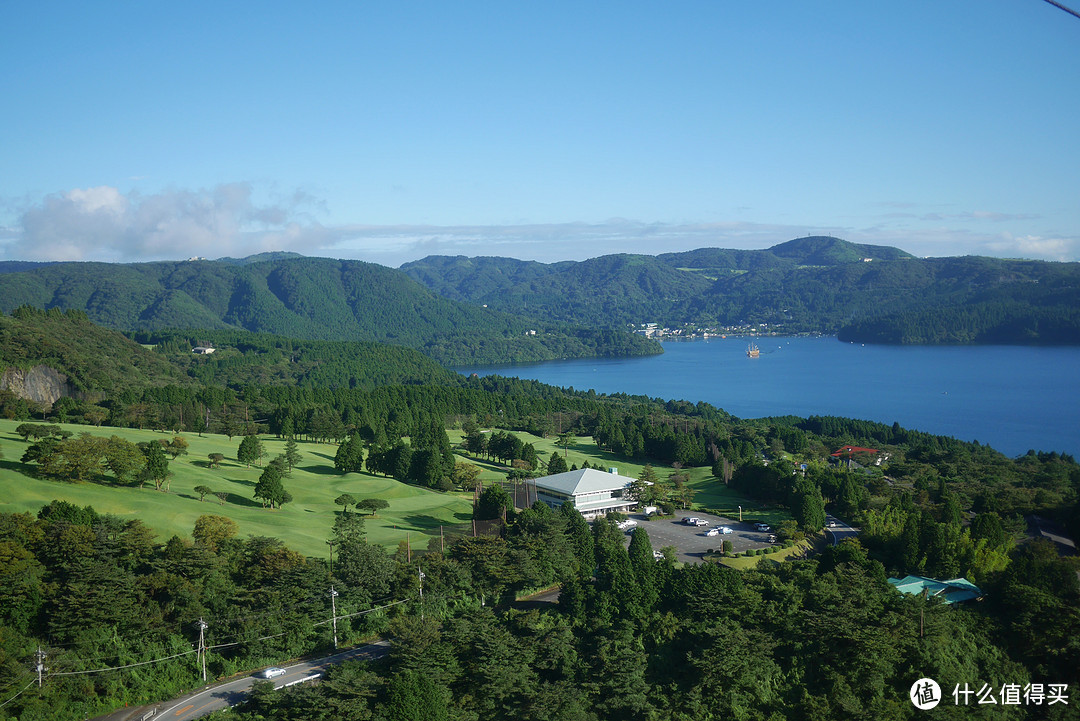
<point x="690" y="520"/>
<point x="763" y="527"/>
<point x="627" y="525"/>
<point x="712" y="532"/>
<point x="272" y="672"/>
<point x="724" y="529"/>
<point x="700" y="522"/>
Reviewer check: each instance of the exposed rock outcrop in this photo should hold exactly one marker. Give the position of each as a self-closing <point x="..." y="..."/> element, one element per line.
<point x="41" y="384"/>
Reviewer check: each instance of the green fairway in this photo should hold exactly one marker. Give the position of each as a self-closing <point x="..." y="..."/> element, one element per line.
<point x="303" y="524"/>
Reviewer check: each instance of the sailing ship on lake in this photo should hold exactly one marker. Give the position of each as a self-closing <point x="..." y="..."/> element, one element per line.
<point x="752" y="350"/>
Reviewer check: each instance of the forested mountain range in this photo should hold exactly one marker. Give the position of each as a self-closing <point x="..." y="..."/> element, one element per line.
<point x="305" y="298"/>
<point x="816" y="284"/>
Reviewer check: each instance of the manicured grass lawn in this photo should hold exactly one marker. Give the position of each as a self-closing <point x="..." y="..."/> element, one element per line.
<point x="303" y="524"/>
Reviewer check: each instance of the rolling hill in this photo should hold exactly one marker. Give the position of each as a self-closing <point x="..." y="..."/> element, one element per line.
<point x="305" y="298"/>
<point x="816" y="284"/>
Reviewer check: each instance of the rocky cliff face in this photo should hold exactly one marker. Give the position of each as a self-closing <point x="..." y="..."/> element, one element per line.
<point x="41" y="384"/>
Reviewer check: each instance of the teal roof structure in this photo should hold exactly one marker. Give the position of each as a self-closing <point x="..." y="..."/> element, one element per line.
<point x="955" y="590"/>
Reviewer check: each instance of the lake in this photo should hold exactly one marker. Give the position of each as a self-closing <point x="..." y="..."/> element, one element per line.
<point x="1011" y="397"/>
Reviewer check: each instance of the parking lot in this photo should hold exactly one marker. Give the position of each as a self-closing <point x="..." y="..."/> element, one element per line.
<point x="692" y="541"/>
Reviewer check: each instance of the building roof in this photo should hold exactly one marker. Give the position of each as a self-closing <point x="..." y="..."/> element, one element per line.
<point x="586" y="480"/>
<point x="954" y="590"/>
<point x="851" y="450"/>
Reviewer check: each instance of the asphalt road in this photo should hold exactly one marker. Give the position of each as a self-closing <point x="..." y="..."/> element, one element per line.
<point x="201" y="703"/>
<point x="840" y="531"/>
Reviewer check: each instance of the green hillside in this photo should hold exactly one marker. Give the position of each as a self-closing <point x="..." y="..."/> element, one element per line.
<point x="815" y="284"/>
<point x="308" y="298"/>
<point x="303" y="524"/>
<point x="94" y="359"/>
<point x="99" y="362"/>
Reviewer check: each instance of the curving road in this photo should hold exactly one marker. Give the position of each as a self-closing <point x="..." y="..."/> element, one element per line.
<point x="840" y="531"/>
<point x="214" y="698"/>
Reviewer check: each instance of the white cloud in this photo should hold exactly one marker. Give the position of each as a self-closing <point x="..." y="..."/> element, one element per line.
<point x="103" y="224"/>
<point x="1034" y="246"/>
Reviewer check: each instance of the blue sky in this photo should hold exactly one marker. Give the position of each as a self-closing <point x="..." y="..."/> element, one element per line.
<point x="548" y="131"/>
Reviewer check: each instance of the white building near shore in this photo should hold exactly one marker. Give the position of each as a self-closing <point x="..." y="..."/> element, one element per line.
<point x="593" y="492"/>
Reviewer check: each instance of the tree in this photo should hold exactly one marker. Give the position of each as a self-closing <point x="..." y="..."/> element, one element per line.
<point x="493" y="501"/>
<point x="807" y="506"/>
<point x="292" y="455"/>
<point x="123" y="458"/>
<point x="156" y="465"/>
<point x="81" y="457"/>
<point x="216" y="459"/>
<point x="269" y="488"/>
<point x="643" y="489"/>
<point x="212" y="531"/>
<point x="465" y="475"/>
<point x="564" y="440"/>
<point x="350" y="455"/>
<point x="412" y="696"/>
<point x="556" y="464"/>
<point x="372" y="504"/>
<point x="365" y="569"/>
<point x="203" y="491"/>
<point x="222" y="497"/>
<point x="177" y="447"/>
<point x="250" y="450"/>
<point x="345" y="500"/>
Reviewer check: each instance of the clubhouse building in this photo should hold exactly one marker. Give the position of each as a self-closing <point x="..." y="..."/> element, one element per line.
<point x="592" y="491"/>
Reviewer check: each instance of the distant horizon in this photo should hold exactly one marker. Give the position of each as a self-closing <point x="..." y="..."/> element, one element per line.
<point x="283" y="251"/>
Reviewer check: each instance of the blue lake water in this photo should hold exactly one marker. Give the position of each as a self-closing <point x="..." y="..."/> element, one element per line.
<point x="1011" y="397"/>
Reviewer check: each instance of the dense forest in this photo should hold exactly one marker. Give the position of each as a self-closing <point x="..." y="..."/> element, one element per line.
<point x="824" y="285"/>
<point x="305" y="298"/>
<point x="632" y="636"/>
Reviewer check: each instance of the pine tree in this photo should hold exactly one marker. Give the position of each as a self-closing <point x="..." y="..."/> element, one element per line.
<point x="292" y="455"/>
<point x="269" y="488"/>
<point x="250" y="450"/>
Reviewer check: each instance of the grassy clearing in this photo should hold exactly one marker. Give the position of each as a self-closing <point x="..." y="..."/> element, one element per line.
<point x="303" y="524"/>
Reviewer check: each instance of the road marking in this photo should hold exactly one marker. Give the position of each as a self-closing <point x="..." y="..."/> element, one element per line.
<point x="180" y="711"/>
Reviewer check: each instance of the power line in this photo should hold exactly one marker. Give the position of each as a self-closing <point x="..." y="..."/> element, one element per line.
<point x="117" y="668"/>
<point x="2" y="705"/>
<point x="1059" y="6"/>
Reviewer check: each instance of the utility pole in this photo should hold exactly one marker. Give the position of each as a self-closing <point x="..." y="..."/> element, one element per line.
<point x="421" y="592"/>
<point x="331" y="543"/>
<point x="40" y="665"/>
<point x="203" y="625"/>
<point x="333" y="610"/>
